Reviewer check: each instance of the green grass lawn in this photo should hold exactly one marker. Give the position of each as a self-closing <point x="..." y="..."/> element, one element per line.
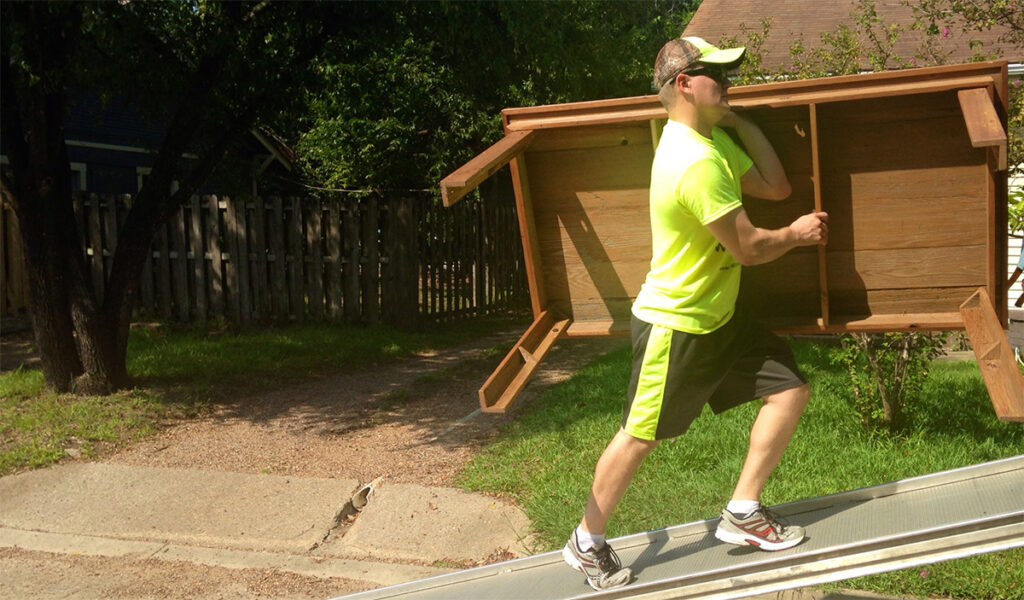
<point x="545" y="460"/>
<point x="179" y="373"/>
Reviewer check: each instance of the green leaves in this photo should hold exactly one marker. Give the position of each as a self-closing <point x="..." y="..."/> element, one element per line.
<point x="887" y="372"/>
<point x="418" y="90"/>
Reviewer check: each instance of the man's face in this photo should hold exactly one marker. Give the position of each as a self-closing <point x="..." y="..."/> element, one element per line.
<point x="710" y="87"/>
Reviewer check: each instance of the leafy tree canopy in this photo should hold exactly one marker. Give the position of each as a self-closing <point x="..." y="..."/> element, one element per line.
<point x="419" y="91"/>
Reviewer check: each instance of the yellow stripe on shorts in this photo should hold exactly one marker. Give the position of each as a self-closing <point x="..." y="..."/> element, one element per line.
<point x="645" y="410"/>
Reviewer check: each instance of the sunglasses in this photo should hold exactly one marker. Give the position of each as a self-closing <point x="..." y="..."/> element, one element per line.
<point x="719" y="75"/>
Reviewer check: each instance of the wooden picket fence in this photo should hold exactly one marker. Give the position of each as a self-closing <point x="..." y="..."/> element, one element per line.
<point x="397" y="260"/>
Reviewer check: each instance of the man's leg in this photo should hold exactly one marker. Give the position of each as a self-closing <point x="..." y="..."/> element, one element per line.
<point x="614" y="471"/>
<point x="586" y="549"/>
<point x="748" y="523"/>
<point x="773" y="429"/>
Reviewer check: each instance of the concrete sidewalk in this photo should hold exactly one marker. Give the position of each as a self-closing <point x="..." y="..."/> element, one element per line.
<point x="404" y="532"/>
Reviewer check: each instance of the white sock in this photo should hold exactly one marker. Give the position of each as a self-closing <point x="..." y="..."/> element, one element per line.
<point x="742" y="508"/>
<point x="587" y="540"/>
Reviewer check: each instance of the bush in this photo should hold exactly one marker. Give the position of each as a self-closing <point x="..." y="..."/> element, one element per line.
<point x="887" y="371"/>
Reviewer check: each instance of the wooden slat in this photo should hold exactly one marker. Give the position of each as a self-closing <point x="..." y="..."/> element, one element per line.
<point x="258" y="261"/>
<point x="647" y="108"/>
<point x="96" y="245"/>
<point x="237" y="237"/>
<point x="147" y="295"/>
<point x="605" y="168"/>
<point x="983" y="124"/>
<point x="528" y="232"/>
<point x="232" y="268"/>
<point x="900" y="301"/>
<point x="242" y="263"/>
<point x="216" y="253"/>
<point x="279" y="266"/>
<point x="351" y="247"/>
<point x="617" y="134"/>
<point x="296" y="297"/>
<point x="483" y="165"/>
<point x="315" y="264"/>
<point x="803" y="325"/>
<point x="991" y="69"/>
<point x="907" y="268"/>
<point x="887" y="90"/>
<point x="109" y="217"/>
<point x="370" y="276"/>
<point x="599" y="328"/>
<point x="198" y="260"/>
<point x="163" y="273"/>
<point x="515" y="369"/>
<point x="908" y="208"/>
<point x="840" y="323"/>
<point x="995" y="358"/>
<point x="333" y="234"/>
<point x="998" y="241"/>
<point x="179" y="265"/>
<point x="818" y="206"/>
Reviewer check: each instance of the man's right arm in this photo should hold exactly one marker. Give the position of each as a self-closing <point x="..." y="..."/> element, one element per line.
<point x="752" y="245"/>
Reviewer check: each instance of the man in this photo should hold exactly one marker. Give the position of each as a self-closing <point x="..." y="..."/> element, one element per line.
<point x="691" y="345"/>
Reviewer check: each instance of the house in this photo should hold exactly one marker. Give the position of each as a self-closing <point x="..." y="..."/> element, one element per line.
<point x="111" y="150"/>
<point x="806" y="21"/>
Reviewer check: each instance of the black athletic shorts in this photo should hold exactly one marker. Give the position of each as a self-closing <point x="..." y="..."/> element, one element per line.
<point x="675" y="373"/>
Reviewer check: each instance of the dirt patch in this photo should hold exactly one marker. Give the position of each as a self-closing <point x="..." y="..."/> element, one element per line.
<point x="403" y="421"/>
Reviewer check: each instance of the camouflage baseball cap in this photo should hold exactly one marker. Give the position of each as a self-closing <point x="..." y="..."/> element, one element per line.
<point x="689" y="53"/>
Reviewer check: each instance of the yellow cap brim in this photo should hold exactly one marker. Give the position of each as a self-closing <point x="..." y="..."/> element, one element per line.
<point x="729" y="58"/>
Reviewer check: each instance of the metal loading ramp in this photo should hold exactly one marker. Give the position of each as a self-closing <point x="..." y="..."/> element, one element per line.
<point x="922" y="520"/>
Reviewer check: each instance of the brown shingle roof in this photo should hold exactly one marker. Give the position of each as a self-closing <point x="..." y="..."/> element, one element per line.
<point x="716" y="20"/>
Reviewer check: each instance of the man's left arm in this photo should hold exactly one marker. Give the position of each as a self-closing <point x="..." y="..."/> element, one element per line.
<point x="766" y="178"/>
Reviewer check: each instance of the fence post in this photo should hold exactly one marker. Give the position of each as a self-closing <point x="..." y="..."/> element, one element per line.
<point x="332" y="231"/>
<point x="296" y="297"/>
<point x="146" y="301"/>
<point x="237" y="270"/>
<point x="180" y="265"/>
<point x="371" y="259"/>
<point x="96" y="245"/>
<point x="403" y="263"/>
<point x="258" y="251"/>
<point x="352" y="253"/>
<point x="278" y="277"/>
<point x="314" y="216"/>
<point x="163" y="272"/>
<point x="213" y="245"/>
<point x="198" y="259"/>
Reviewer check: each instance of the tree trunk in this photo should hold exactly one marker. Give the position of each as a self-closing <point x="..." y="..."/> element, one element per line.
<point x="49" y="304"/>
<point x="103" y="356"/>
<point x="50" y="241"/>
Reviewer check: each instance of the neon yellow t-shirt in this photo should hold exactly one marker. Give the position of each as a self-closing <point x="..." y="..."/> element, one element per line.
<point x="693" y="280"/>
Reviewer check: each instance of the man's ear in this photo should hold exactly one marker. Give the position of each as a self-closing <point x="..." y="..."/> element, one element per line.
<point x="682" y="83"/>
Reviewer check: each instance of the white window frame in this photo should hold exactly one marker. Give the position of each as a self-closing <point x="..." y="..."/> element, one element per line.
<point x="81" y="170"/>
<point x="140" y="174"/>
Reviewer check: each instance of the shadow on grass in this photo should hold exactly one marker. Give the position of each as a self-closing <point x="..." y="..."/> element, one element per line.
<point x="955" y="404"/>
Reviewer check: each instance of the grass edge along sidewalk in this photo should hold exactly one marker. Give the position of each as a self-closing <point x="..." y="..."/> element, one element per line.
<point x="180" y="373"/>
<point x="688" y="479"/>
